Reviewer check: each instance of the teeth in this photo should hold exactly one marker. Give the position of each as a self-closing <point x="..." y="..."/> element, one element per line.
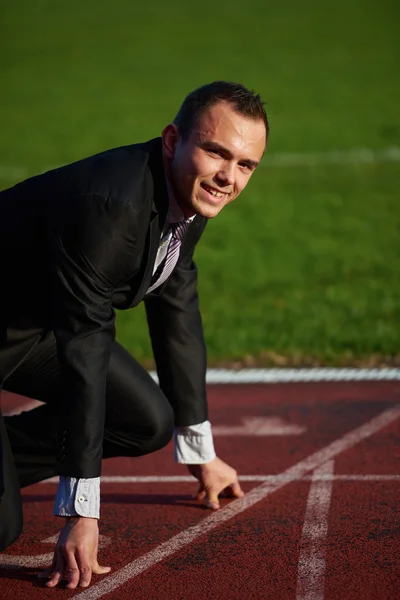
<point x="214" y="192"/>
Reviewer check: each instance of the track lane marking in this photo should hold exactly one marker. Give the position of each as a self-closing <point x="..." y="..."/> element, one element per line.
<point x="13" y="561"/>
<point x="281" y="477"/>
<point x="311" y="570"/>
<point x="236" y="507"/>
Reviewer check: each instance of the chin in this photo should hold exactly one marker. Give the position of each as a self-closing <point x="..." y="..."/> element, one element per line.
<point x="206" y="210"/>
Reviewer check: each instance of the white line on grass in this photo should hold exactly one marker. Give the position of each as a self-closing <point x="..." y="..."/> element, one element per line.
<point x="311" y="572"/>
<point x="353" y="156"/>
<point x="238" y="506"/>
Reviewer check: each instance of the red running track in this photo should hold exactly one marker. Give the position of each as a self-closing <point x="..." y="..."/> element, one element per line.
<point x="321" y="522"/>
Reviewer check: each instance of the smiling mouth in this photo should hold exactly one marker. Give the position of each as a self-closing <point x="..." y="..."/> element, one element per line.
<point x="213" y="191"/>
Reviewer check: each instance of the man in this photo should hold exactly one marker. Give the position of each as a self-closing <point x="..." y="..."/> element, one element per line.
<point x="80" y="241"/>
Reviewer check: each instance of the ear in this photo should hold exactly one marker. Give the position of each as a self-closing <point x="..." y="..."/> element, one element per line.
<point x="170" y="138"/>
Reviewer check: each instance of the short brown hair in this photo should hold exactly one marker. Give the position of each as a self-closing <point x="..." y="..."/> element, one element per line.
<point x="244" y="101"/>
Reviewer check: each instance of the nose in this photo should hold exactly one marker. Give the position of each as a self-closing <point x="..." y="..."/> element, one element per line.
<point x="226" y="175"/>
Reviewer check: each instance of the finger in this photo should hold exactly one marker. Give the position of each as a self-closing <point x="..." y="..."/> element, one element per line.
<point x="58" y="572"/>
<point x="237" y="491"/>
<point x="84" y="568"/>
<point x="72" y="571"/>
<point x="46" y="573"/>
<point x="212" y="499"/>
<point x="49" y="570"/>
<point x="201" y="493"/>
<point x="55" y="578"/>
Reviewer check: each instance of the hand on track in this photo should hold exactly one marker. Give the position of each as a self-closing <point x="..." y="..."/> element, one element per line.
<point x="215" y="478"/>
<point x="75" y="555"/>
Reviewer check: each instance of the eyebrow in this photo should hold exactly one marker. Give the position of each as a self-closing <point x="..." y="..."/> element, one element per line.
<point x="215" y="146"/>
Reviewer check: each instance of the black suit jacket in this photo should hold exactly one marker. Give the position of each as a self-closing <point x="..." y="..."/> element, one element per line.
<point x="76" y="243"/>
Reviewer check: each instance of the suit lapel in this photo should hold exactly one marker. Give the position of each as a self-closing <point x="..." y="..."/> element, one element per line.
<point x="158" y="216"/>
<point x="149" y="257"/>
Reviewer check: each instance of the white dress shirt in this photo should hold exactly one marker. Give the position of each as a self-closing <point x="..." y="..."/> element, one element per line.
<point x="193" y="444"/>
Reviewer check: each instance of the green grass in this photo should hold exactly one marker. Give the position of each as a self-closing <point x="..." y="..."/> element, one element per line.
<point x="304" y="267"/>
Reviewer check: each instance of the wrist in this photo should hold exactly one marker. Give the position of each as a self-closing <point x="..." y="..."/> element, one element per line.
<point x="202" y="465"/>
<point x="76" y="518"/>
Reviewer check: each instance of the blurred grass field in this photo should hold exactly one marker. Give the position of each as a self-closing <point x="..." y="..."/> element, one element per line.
<point x="304" y="267"/>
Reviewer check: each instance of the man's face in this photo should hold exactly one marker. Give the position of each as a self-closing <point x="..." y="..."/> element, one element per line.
<point x="212" y="167"/>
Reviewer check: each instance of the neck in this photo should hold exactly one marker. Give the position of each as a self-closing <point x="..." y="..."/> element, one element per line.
<point x="172" y="190"/>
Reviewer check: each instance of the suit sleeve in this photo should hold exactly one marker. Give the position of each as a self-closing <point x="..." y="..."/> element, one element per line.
<point x="179" y="348"/>
<point x="92" y="246"/>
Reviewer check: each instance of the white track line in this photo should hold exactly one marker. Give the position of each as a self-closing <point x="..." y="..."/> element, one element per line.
<point x="274" y="478"/>
<point x="288" y="375"/>
<point x="353" y="156"/>
<point x="13" y="561"/>
<point x="238" y="506"/>
<point x="311" y="572"/>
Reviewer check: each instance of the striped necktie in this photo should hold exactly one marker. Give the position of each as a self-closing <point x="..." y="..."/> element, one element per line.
<point x="167" y="265"/>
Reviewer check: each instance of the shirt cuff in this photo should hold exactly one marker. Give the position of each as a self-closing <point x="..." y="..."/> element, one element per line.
<point x="78" y="497"/>
<point x="194" y="444"/>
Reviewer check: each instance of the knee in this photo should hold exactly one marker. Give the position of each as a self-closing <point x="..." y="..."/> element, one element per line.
<point x="139" y="437"/>
<point x="161" y="430"/>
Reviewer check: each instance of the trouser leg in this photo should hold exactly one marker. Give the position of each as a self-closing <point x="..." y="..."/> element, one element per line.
<point x="139" y="419"/>
<point x="33" y="434"/>
<point x="10" y="498"/>
<point x="33" y="439"/>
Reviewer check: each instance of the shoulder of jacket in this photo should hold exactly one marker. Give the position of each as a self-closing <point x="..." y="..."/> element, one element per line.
<point x="120" y="174"/>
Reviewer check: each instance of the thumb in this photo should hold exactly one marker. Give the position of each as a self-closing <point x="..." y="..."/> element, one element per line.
<point x="212" y="499"/>
<point x="98" y="570"/>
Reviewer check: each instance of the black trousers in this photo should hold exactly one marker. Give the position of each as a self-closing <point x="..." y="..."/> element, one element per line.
<point x="139" y="419"/>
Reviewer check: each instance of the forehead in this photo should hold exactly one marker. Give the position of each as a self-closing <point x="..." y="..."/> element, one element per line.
<point x="241" y="135"/>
